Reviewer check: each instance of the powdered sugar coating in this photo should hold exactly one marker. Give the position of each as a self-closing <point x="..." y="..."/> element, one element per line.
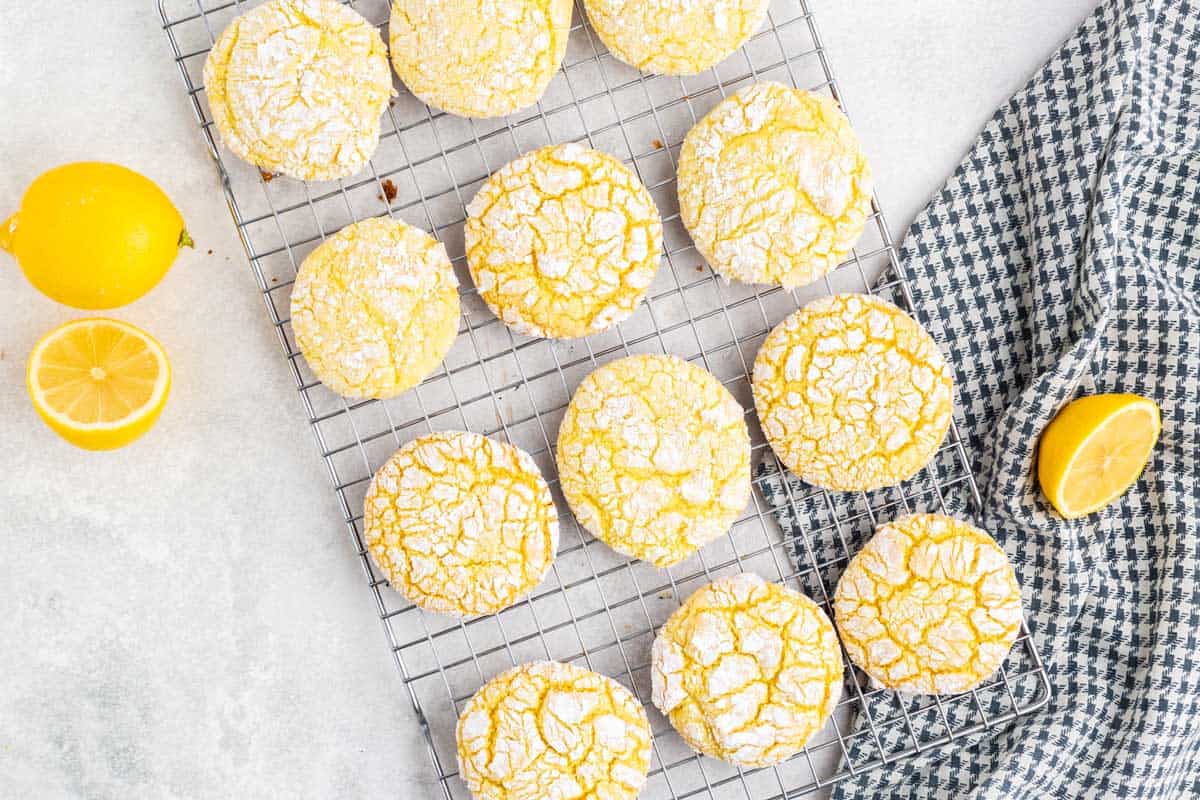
<point x="773" y="186"/>
<point x="930" y="605"/>
<point x="852" y="393"/>
<point x="675" y="37"/>
<point x="478" y="58"/>
<point x="461" y="524"/>
<point x="563" y="242"/>
<point x="654" y="457"/>
<point x="747" y="671"/>
<point x="375" y="308"/>
<point x="298" y="87"/>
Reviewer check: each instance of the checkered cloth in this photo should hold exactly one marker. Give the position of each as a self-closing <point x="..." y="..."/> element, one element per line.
<point x="1062" y="258"/>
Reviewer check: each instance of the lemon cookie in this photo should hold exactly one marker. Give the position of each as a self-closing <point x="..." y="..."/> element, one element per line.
<point x="563" y="242"/>
<point x="773" y="186"/>
<point x="298" y="86"/>
<point x="930" y="605"/>
<point x="552" y="731"/>
<point x="747" y="671"/>
<point x="461" y="524"/>
<point x="375" y="308"/>
<point x="674" y="37"/>
<point x="479" y="58"/>
<point x="852" y="394"/>
<point x="654" y="457"/>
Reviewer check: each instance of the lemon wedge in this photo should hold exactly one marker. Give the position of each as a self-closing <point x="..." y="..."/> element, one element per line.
<point x="98" y="383"/>
<point x="1095" y="449"/>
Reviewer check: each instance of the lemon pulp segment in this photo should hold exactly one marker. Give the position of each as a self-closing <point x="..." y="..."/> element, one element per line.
<point x="553" y="731"/>
<point x="654" y="457"/>
<point x="1095" y="449"/>
<point x="461" y="524"/>
<point x="478" y="58"/>
<point x="298" y="87"/>
<point x="375" y="308"/>
<point x="563" y="242"/>
<point x="98" y="383"/>
<point x="852" y="393"/>
<point x="930" y="605"/>
<point x="747" y="671"/>
<point x="674" y="37"/>
<point x="773" y="186"/>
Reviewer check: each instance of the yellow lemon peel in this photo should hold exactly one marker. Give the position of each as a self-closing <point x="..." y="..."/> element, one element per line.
<point x="746" y="670"/>
<point x="930" y="605"/>
<point x="461" y="524"/>
<point x="852" y="393"/>
<point x="654" y="457"/>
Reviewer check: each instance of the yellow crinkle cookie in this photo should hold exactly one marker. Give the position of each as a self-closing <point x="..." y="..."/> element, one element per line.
<point x="375" y="308"/>
<point x="773" y="186"/>
<point x="461" y="524"/>
<point x="930" y="605"/>
<point x="747" y="671"/>
<point x="563" y="242"/>
<point x="478" y="58"/>
<point x="298" y="86"/>
<point x="852" y="394"/>
<point x="675" y="37"/>
<point x="553" y="731"/>
<point x="654" y="457"/>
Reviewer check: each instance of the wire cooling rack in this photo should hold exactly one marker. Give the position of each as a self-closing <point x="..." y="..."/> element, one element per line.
<point x="597" y="608"/>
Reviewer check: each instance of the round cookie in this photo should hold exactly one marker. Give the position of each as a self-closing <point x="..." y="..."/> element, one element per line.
<point x="298" y="86"/>
<point x="747" y="671"/>
<point x="550" y="730"/>
<point x="461" y="524"/>
<point x="930" y="605"/>
<point x="675" y="37"/>
<point x="852" y="393"/>
<point x="773" y="186"/>
<point x="375" y="308"/>
<point x="654" y="457"/>
<point x="478" y="58"/>
<point x="563" y="242"/>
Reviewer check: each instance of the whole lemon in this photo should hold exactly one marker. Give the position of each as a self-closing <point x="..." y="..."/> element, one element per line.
<point x="94" y="235"/>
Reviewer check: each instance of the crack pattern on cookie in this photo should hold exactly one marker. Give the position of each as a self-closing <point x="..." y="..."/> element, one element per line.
<point x="654" y="457"/>
<point x="553" y="731"/>
<point x="461" y="524"/>
<point x="852" y="393"/>
<point x="478" y="58"/>
<point x="563" y="242"/>
<point x="375" y="308"/>
<point x="747" y="671"/>
<point x="930" y="605"/>
<point x="298" y="87"/>
<point x="773" y="186"/>
<point x="675" y="37"/>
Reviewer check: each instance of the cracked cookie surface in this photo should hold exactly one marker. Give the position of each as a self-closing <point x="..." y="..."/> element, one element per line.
<point x="852" y="393"/>
<point x="675" y="37"/>
<point x="298" y="87"/>
<point x="461" y="524"/>
<point x="747" y="671"/>
<point x="563" y="242"/>
<point x="930" y="605"/>
<point x="553" y="731"/>
<point x="654" y="457"/>
<point x="375" y="308"/>
<point x="478" y="58"/>
<point x="773" y="186"/>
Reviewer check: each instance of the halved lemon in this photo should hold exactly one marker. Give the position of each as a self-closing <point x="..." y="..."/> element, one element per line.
<point x="98" y="383"/>
<point x="1095" y="449"/>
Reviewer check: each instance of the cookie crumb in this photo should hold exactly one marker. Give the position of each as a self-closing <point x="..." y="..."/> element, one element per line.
<point x="210" y="252"/>
<point x="658" y="144"/>
<point x="389" y="190"/>
<point x="266" y="176"/>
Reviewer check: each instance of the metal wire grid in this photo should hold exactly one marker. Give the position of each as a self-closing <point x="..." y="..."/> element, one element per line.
<point x="595" y="607"/>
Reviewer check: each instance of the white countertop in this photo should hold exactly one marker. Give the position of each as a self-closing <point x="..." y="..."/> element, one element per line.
<point x="186" y="618"/>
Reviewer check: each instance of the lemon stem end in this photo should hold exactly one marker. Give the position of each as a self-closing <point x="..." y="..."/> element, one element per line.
<point x="185" y="239"/>
<point x="7" y="231"/>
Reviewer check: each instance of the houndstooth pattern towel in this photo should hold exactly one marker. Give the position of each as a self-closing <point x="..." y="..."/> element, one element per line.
<point x="1063" y="258"/>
